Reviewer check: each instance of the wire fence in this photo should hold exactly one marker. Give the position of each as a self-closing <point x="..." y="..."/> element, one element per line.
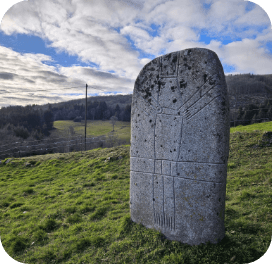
<point x="58" y="145"/>
<point x="253" y="120"/>
<point x="64" y="145"/>
<point x="261" y="119"/>
<point x="69" y="144"/>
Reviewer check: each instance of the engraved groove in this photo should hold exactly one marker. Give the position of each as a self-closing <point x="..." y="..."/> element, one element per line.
<point x="189" y="118"/>
<point x="197" y="92"/>
<point x="163" y="220"/>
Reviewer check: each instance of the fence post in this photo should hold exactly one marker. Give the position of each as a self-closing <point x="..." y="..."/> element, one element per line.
<point x="86" y="115"/>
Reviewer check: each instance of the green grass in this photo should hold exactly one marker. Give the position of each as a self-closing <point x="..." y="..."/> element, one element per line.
<point x="266" y="126"/>
<point x="74" y="208"/>
<point x="94" y="128"/>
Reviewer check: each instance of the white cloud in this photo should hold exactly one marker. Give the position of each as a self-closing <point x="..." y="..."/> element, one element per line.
<point x="101" y="32"/>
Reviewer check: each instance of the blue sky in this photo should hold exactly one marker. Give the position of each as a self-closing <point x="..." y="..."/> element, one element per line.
<point x="50" y="49"/>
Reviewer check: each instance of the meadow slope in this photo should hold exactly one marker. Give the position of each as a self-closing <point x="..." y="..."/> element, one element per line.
<point x="74" y="208"/>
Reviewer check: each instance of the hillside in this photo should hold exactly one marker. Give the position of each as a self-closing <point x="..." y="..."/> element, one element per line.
<point x="74" y="208"/>
<point x="243" y="90"/>
<point x="250" y="102"/>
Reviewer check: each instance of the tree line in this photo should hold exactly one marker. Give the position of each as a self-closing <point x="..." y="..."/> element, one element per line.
<point x="252" y="113"/>
<point x="36" y="121"/>
<point x="95" y="111"/>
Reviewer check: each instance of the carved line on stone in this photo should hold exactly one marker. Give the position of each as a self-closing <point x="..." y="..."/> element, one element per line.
<point x="161" y="166"/>
<point x="211" y="163"/>
<point x="164" y="221"/>
<point x="163" y="193"/>
<point x="137" y="111"/>
<point x="196" y="93"/>
<point x="174" y="203"/>
<point x="178" y="68"/>
<point x="190" y="117"/>
<point x="169" y="76"/>
<point x="155" y="107"/>
<point x="187" y="114"/>
<point x="153" y="193"/>
<point x="179" y="144"/>
<point x="177" y="65"/>
<point x="196" y="180"/>
<point x="198" y="98"/>
<point x="155" y="139"/>
<point x="158" y="108"/>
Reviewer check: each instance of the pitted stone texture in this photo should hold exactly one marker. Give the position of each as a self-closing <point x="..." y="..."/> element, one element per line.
<point x="179" y="146"/>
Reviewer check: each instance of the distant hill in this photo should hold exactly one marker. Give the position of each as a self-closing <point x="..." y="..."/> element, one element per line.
<point x="250" y="99"/>
<point x="243" y="89"/>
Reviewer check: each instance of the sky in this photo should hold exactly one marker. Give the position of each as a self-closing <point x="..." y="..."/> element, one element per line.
<point x="50" y="49"/>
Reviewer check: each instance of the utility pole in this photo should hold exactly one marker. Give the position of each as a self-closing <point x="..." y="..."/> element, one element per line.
<point x="86" y="115"/>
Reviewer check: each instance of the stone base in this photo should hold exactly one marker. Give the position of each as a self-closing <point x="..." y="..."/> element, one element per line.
<point x="184" y="210"/>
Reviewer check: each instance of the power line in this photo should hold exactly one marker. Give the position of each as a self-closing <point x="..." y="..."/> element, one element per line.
<point x="48" y="141"/>
<point x="48" y="146"/>
<point x="30" y="141"/>
<point x="250" y="110"/>
<point x="249" y="120"/>
<point x="12" y="150"/>
<point x="53" y="90"/>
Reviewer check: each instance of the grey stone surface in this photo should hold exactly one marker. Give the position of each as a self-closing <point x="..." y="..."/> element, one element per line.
<point x="179" y="146"/>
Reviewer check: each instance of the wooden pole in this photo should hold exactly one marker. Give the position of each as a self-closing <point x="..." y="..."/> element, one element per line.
<point x="86" y="115"/>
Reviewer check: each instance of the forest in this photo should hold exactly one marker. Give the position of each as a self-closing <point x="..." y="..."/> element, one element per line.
<point x="250" y="99"/>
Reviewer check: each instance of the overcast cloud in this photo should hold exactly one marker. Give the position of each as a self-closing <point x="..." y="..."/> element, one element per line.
<point x="113" y="39"/>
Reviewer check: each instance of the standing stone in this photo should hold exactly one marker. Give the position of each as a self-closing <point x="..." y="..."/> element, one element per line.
<point x="179" y="146"/>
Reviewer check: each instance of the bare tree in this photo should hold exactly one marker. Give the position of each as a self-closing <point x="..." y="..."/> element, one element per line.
<point x="93" y="112"/>
<point x="71" y="131"/>
<point x="113" y="120"/>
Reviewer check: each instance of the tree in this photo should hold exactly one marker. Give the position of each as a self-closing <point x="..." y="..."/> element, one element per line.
<point x="113" y="120"/>
<point x="106" y="114"/>
<point x="261" y="115"/>
<point x="246" y="118"/>
<point x="127" y="113"/>
<point x="48" y="119"/>
<point x="100" y="109"/>
<point x="78" y="119"/>
<point x="22" y="132"/>
<point x="93" y="112"/>
<point x="71" y="131"/>
<point x="254" y="120"/>
<point x="33" y="120"/>
<point x="237" y="120"/>
<point x="269" y="113"/>
<point x="59" y="115"/>
<point x="71" y="115"/>
<point x="117" y="111"/>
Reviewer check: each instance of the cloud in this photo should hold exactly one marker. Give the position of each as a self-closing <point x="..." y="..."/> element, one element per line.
<point x="6" y="76"/>
<point x="121" y="36"/>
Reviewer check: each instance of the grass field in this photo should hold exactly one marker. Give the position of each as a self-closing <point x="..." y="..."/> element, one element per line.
<point x="94" y="128"/>
<point x="74" y="208"/>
